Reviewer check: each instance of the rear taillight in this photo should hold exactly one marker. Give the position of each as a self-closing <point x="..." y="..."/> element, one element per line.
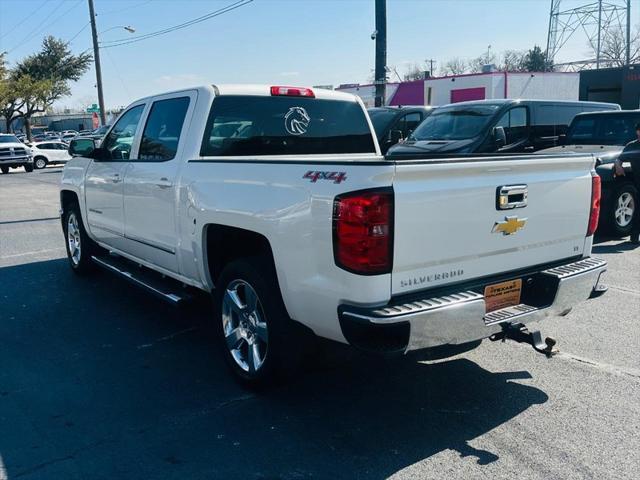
<point x="595" y="204"/>
<point x="363" y="231"/>
<point x="292" y="92"/>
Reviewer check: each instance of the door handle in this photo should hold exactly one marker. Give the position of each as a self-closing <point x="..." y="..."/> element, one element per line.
<point x="115" y="178"/>
<point x="164" y="183"/>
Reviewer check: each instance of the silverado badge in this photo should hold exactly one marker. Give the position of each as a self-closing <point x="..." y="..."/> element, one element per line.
<point x="510" y="225"/>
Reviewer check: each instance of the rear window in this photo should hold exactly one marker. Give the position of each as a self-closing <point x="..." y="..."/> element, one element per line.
<point x="253" y="125"/>
<point x="602" y="130"/>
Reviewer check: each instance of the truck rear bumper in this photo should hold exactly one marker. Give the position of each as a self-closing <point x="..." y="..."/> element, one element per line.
<point x="460" y="317"/>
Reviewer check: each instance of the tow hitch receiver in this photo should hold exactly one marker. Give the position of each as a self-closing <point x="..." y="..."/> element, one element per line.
<point x="521" y="334"/>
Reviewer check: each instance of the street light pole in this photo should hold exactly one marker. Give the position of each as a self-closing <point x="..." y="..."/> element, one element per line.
<point x="96" y="58"/>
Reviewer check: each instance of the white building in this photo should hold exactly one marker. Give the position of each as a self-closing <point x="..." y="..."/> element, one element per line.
<point x="476" y="86"/>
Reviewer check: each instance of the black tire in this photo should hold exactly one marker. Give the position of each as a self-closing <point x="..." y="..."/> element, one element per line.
<point x="79" y="259"/>
<point x="28" y="168"/>
<point x="283" y="351"/>
<point x="40" y="162"/>
<point x="4" y="170"/>
<point x="614" y="222"/>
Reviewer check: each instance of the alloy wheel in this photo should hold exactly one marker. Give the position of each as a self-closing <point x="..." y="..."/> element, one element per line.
<point x="73" y="238"/>
<point x="244" y="326"/>
<point x="624" y="209"/>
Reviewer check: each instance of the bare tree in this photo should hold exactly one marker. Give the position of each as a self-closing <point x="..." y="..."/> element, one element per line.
<point x="414" y="72"/>
<point x="613" y="51"/>
<point x="487" y="58"/>
<point x="455" y="66"/>
<point x="513" y="61"/>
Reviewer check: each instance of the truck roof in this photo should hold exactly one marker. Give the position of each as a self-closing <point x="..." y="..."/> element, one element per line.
<point x="263" y="90"/>
<point x="508" y="101"/>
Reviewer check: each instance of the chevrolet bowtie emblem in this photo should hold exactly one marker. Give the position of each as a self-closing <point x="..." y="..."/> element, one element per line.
<point x="510" y="225"/>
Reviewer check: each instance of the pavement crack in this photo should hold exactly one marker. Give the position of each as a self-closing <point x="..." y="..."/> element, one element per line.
<point x="621" y="371"/>
<point x="626" y="290"/>
<point x="165" y="338"/>
<point x="53" y="461"/>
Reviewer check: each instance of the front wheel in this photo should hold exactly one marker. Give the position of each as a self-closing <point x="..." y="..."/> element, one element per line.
<point x="28" y="168"/>
<point x="79" y="246"/>
<point x="259" y="340"/>
<point x="4" y="170"/>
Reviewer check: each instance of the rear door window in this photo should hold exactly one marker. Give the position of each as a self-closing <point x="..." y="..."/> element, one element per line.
<point x="254" y="125"/>
<point x="163" y="128"/>
<point x="514" y="122"/>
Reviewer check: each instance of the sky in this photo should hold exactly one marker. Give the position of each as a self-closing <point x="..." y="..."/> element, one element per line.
<point x="295" y="42"/>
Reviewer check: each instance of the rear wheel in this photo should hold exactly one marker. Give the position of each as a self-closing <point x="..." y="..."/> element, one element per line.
<point x="4" y="170"/>
<point x="259" y="340"/>
<point x="40" y="162"/>
<point x="623" y="209"/>
<point x="28" y="168"/>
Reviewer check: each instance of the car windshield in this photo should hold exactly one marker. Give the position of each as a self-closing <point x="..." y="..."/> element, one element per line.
<point x="9" y="139"/>
<point x="381" y="117"/>
<point x="602" y="130"/>
<point x="101" y="130"/>
<point x="456" y="122"/>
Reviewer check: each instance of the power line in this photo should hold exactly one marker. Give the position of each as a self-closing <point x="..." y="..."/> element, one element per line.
<point x="215" y="13"/>
<point x="79" y="32"/>
<point x="29" y="15"/>
<point x="123" y="9"/>
<point x="40" y="26"/>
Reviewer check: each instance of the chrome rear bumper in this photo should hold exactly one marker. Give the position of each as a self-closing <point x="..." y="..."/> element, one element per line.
<point x="461" y="317"/>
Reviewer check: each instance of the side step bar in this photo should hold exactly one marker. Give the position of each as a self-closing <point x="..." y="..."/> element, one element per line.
<point x="164" y="288"/>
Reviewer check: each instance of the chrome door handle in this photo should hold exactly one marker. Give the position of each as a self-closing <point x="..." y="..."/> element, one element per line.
<point x="115" y="178"/>
<point x="511" y="196"/>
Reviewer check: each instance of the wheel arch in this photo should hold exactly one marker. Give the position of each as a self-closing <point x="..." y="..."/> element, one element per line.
<point x="224" y="244"/>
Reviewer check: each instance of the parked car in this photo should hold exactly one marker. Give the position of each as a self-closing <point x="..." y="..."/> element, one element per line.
<point x="97" y="134"/>
<point x="605" y="134"/>
<point x="67" y="137"/>
<point x="49" y="153"/>
<point x="506" y="126"/>
<point x="14" y="154"/>
<point x="395" y="124"/>
<point x="279" y="201"/>
<point x="69" y="132"/>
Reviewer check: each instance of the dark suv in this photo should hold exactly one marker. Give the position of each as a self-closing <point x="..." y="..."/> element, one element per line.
<point x="395" y="124"/>
<point x="605" y="134"/>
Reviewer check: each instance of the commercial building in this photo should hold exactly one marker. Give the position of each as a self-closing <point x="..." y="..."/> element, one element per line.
<point x="476" y="86"/>
<point x="618" y="85"/>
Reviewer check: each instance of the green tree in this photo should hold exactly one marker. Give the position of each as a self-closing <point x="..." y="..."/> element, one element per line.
<point x="536" y="61"/>
<point x="44" y="77"/>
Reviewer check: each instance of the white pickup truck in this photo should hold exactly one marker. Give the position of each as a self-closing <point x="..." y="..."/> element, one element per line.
<point x="278" y="201"/>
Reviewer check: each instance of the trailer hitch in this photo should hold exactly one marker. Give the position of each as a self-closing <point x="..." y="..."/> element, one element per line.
<point x="519" y="333"/>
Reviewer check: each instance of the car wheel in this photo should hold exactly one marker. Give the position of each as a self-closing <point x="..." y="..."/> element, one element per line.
<point x="4" y="170"/>
<point x="28" y="168"/>
<point x="259" y="340"/>
<point x="40" y="162"/>
<point x="623" y="209"/>
<point x="79" y="246"/>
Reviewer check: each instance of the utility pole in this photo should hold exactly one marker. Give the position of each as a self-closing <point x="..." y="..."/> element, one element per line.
<point x="380" y="36"/>
<point x="431" y="62"/>
<point x="628" y="32"/>
<point x="599" y="34"/>
<point x="96" y="58"/>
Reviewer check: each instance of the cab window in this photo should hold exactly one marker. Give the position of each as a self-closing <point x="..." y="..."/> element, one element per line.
<point x="161" y="134"/>
<point x="514" y="122"/>
<point x="120" y="139"/>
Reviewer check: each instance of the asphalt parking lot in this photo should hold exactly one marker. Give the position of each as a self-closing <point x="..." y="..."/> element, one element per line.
<point x="99" y="380"/>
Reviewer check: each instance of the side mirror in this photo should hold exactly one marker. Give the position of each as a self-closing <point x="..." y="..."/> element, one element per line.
<point x="499" y="137"/>
<point x="395" y="136"/>
<point x="81" y="147"/>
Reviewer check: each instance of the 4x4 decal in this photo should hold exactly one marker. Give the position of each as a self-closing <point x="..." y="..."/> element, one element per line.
<point x="336" y="177"/>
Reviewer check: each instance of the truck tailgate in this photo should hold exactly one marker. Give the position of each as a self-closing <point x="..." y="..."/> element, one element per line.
<point x="448" y="227"/>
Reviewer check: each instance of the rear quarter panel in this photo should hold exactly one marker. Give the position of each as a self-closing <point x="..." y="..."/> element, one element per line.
<point x="295" y="215"/>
